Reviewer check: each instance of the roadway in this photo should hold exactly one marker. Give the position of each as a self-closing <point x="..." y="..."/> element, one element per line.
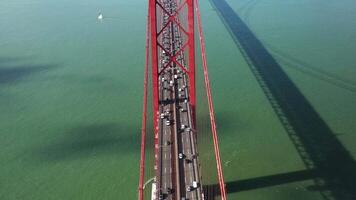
<point x="178" y="165"/>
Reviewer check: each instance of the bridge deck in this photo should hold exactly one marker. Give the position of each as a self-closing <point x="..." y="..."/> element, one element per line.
<point x="178" y="167"/>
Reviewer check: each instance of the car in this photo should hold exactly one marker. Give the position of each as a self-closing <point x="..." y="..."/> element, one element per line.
<point x="168" y="122"/>
<point x="195" y="184"/>
<point x="162" y="196"/>
<point x="190" y="188"/>
<point x="170" y="190"/>
<point x="181" y="156"/>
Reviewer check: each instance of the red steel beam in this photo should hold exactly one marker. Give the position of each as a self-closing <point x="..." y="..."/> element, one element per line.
<point x="154" y="62"/>
<point x="155" y="8"/>
<point x="191" y="44"/>
<point x="190" y="48"/>
<point x="211" y="107"/>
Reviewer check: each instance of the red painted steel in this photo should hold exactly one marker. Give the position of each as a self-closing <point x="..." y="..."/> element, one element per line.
<point x="191" y="44"/>
<point x="154" y="30"/>
<point x="155" y="89"/>
<point x="144" y="115"/>
<point x="211" y="107"/>
<point x="188" y="47"/>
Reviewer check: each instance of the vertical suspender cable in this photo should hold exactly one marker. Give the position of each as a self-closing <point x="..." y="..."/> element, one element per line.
<point x="210" y="102"/>
<point x="144" y="115"/>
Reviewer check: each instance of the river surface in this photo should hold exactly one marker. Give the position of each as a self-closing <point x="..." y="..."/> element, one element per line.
<point x="283" y="82"/>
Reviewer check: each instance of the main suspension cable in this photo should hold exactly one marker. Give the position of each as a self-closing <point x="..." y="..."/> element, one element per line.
<point x="211" y="107"/>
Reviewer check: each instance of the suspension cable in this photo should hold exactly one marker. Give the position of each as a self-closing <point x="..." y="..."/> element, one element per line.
<point x="211" y="107"/>
<point x="144" y="115"/>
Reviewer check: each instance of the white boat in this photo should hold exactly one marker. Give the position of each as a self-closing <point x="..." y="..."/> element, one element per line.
<point x="100" y="16"/>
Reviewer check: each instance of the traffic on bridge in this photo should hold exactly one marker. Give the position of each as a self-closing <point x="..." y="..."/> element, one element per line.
<point x="170" y="41"/>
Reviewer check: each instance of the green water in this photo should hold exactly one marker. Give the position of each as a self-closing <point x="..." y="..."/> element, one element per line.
<point x="71" y="92"/>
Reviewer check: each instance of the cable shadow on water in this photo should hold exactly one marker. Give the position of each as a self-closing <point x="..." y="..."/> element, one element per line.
<point x="312" y="71"/>
<point x="328" y="162"/>
<point x="295" y="63"/>
<point x="12" y="72"/>
<point x="90" y="141"/>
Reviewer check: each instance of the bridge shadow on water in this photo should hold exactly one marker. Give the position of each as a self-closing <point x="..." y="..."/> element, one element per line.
<point x="328" y="162"/>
